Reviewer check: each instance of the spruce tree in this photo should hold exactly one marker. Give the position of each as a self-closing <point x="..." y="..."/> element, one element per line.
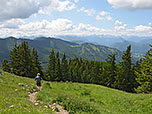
<point x="76" y="76"/>
<point x="64" y="68"/>
<point x="26" y="61"/>
<point x="126" y="78"/>
<point x="144" y="73"/>
<point x="21" y="60"/>
<point x="57" y="73"/>
<point x="15" y="60"/>
<point x="111" y="70"/>
<point x="6" y="65"/>
<point x="36" y="63"/>
<point x="51" y="67"/>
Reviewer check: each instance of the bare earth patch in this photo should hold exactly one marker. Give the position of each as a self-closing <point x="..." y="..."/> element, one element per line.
<point x="55" y="105"/>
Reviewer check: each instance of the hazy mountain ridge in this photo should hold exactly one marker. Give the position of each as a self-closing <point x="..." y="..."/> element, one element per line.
<point x="139" y="44"/>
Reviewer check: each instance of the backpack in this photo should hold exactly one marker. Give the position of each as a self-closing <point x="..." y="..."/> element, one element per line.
<point x="38" y="79"/>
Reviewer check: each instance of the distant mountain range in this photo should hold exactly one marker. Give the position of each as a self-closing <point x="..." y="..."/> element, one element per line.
<point x="44" y="45"/>
<point x="140" y="45"/>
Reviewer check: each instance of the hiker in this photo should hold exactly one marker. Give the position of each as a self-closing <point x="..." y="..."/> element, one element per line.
<point x="38" y="79"/>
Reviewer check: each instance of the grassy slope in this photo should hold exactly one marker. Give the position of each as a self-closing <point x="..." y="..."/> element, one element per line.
<point x="102" y="99"/>
<point x="86" y="97"/>
<point x="14" y="99"/>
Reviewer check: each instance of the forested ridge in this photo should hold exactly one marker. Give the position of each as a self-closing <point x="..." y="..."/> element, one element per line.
<point x="124" y="76"/>
<point x="43" y="45"/>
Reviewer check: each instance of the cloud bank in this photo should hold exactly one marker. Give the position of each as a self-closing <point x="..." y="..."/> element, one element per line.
<point x="24" y="8"/>
<point x="131" y="4"/>
<point x="62" y="26"/>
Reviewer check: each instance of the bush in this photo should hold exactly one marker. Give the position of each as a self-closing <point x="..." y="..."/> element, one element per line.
<point x="75" y="105"/>
<point x="47" y="86"/>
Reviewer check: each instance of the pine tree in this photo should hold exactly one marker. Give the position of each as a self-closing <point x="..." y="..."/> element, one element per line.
<point x="57" y="73"/>
<point x="144" y="73"/>
<point x="76" y="76"/>
<point x="36" y="63"/>
<point x="64" y="68"/>
<point x="15" y="60"/>
<point x="126" y="78"/>
<point x="111" y="70"/>
<point x="6" y="65"/>
<point x="51" y="67"/>
<point x="26" y="63"/>
<point x="21" y="60"/>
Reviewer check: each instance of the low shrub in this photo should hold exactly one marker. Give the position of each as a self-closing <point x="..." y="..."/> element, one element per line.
<point x="75" y="105"/>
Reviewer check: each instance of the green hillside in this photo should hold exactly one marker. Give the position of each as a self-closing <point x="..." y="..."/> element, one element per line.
<point x="14" y="97"/>
<point x="44" y="45"/>
<point x="75" y="97"/>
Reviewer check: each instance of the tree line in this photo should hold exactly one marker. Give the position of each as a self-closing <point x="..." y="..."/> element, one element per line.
<point x="123" y="76"/>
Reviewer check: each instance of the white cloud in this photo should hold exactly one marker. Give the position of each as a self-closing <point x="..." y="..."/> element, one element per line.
<point x="89" y="12"/>
<point x="109" y="18"/>
<point x="103" y="15"/>
<point x="88" y="28"/>
<point x="58" y="25"/>
<point x="119" y="26"/>
<point x="141" y="28"/>
<point x="131" y="4"/>
<point x="24" y="8"/>
<point x="17" y="8"/>
<point x="12" y="24"/>
<point x="150" y="24"/>
<point x="117" y="22"/>
<point x="58" y="6"/>
<point x="76" y="1"/>
<point x="61" y="26"/>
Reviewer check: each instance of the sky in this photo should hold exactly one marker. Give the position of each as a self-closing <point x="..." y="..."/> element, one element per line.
<point x="21" y="18"/>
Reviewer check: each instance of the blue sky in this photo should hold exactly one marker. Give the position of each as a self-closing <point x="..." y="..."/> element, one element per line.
<point x="75" y="17"/>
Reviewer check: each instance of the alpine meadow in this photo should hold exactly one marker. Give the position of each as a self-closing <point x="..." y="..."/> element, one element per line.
<point x="75" y="57"/>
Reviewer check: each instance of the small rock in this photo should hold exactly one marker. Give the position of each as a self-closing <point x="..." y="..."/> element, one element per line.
<point x="53" y="108"/>
<point x="29" y="92"/>
<point x="36" y="104"/>
<point x="45" y="106"/>
<point x="20" y="84"/>
<point x="11" y="106"/>
<point x="1" y="81"/>
<point x="27" y="86"/>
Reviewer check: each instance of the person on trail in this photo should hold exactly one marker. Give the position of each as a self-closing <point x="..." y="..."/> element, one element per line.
<point x="38" y="79"/>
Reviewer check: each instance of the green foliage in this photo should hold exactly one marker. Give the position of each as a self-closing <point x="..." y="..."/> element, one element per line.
<point x="75" y="105"/>
<point x="57" y="72"/>
<point x="14" y="97"/>
<point x="44" y="45"/>
<point x="144" y="73"/>
<point x="64" y="69"/>
<point x="94" y="99"/>
<point x="22" y="62"/>
<point x="126" y="78"/>
<point x="51" y="67"/>
<point x="36" y="63"/>
<point x="112" y="70"/>
<point x="6" y="65"/>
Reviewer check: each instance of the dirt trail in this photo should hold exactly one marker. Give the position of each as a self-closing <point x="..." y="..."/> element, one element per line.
<point x="32" y="97"/>
<point x="61" y="110"/>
